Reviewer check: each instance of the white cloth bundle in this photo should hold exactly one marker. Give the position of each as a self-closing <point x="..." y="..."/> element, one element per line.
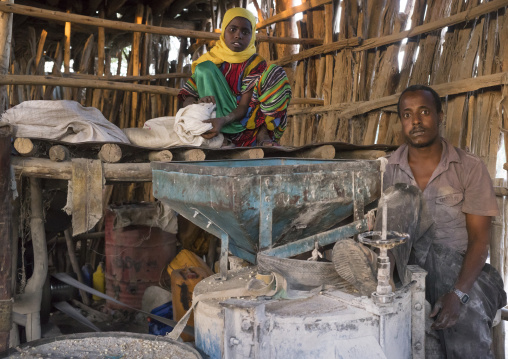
<point x="63" y="120"/>
<point x="185" y="128"/>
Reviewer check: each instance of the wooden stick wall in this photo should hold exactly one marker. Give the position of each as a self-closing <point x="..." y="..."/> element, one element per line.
<point x="449" y="45"/>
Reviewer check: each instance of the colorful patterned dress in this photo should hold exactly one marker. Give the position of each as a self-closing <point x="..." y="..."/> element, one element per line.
<point x="270" y="99"/>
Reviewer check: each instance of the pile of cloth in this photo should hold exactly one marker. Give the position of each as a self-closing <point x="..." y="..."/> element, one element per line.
<point x="185" y="128"/>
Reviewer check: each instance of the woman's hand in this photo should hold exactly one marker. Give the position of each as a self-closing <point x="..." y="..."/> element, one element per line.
<point x="217" y="124"/>
<point x="207" y="99"/>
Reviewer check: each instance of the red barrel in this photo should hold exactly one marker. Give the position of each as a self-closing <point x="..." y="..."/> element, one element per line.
<point x="135" y="257"/>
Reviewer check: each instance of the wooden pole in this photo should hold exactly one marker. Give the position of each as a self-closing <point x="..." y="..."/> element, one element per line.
<point x="67" y="56"/>
<point x="136" y="40"/>
<point x="72" y="82"/>
<point x="285" y="15"/>
<point x="5" y="239"/>
<point x="5" y="51"/>
<point x="119" y="25"/>
<point x="75" y="265"/>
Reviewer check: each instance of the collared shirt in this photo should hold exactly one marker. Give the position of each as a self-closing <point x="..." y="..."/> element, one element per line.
<point x="460" y="184"/>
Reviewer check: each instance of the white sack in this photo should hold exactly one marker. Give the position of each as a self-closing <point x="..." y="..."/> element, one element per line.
<point x="63" y="120"/>
<point x="185" y="129"/>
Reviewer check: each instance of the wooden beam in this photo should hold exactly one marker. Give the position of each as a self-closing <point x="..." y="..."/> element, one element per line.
<point x="348" y="110"/>
<point x="71" y="82"/>
<point x="113" y="172"/>
<point x="463" y="16"/>
<point x="119" y="25"/>
<point x="284" y="15"/>
<point x="319" y="50"/>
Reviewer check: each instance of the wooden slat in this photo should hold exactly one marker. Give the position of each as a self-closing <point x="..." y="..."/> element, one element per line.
<point x="119" y="25"/>
<point x="284" y="15"/>
<point x="318" y="50"/>
<point x="86" y="194"/>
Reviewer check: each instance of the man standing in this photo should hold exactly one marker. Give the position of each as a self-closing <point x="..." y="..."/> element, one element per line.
<point x="453" y="237"/>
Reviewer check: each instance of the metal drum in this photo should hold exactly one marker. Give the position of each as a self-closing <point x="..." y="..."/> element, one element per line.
<point x="135" y="258"/>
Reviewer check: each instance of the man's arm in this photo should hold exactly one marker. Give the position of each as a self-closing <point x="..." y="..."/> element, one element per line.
<point x="449" y="305"/>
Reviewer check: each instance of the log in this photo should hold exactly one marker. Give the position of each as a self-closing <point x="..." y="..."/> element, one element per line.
<point x="25" y="147"/>
<point x="319" y="50"/>
<point x="284" y="15"/>
<point x="71" y="82"/>
<point x="119" y="25"/>
<point x="162" y="156"/>
<point x="254" y="153"/>
<point x="59" y="153"/>
<point x="110" y="153"/>
<point x="326" y="152"/>
<point x="6" y="254"/>
<point x="360" y="154"/>
<point x="189" y="155"/>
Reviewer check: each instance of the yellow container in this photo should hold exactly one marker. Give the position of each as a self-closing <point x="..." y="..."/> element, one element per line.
<point x="98" y="281"/>
<point x="183" y="282"/>
<point x="186" y="259"/>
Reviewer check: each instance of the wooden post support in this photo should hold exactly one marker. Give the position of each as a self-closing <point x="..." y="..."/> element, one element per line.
<point x="25" y="147"/>
<point x="5" y="239"/>
<point x="59" y="153"/>
<point x="189" y="155"/>
<point x="162" y="156"/>
<point x="110" y="153"/>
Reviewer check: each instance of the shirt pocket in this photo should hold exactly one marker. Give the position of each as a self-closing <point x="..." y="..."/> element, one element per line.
<point x="448" y="205"/>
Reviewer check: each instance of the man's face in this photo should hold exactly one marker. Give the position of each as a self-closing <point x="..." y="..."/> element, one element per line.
<point x="238" y="34"/>
<point x="419" y="118"/>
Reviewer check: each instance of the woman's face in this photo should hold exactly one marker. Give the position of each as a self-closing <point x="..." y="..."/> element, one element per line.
<point x="238" y="34"/>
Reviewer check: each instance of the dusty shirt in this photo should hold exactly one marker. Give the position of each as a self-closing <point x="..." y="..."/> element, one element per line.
<point x="460" y="184"/>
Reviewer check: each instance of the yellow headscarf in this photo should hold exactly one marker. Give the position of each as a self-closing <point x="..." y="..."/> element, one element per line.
<point x="220" y="52"/>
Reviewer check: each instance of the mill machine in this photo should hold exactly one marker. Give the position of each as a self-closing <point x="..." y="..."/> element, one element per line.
<point x="269" y="212"/>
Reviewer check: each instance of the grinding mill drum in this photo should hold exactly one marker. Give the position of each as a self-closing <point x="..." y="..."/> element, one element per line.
<point x="279" y="208"/>
<point x="267" y="203"/>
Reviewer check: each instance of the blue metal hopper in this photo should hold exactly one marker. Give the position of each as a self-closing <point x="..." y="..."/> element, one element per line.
<point x="281" y="206"/>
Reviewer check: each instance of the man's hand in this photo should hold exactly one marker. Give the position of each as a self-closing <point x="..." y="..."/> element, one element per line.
<point x="448" y="307"/>
<point x="217" y="124"/>
<point x="207" y="99"/>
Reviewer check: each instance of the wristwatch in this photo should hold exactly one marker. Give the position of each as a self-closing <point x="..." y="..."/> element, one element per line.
<point x="463" y="297"/>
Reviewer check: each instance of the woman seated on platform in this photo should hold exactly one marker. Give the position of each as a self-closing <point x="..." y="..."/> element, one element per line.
<point x="251" y="97"/>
